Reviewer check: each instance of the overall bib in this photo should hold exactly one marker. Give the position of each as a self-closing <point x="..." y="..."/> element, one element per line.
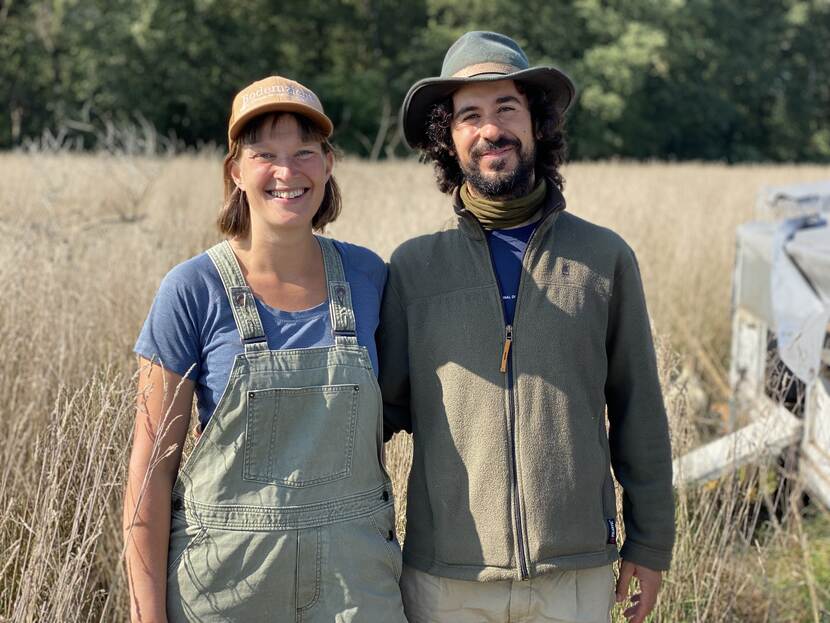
<point x="283" y="512"/>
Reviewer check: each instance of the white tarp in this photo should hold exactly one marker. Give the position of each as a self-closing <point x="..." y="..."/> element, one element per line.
<point x="784" y="274"/>
<point x="794" y="199"/>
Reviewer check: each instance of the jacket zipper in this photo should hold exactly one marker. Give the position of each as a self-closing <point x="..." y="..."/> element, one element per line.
<point x="506" y="368"/>
<point x="507" y="365"/>
<point x="508" y="340"/>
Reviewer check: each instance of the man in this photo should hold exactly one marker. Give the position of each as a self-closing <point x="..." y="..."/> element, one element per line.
<point x="503" y="337"/>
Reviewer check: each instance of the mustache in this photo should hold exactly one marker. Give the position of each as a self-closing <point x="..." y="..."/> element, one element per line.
<point x="487" y="145"/>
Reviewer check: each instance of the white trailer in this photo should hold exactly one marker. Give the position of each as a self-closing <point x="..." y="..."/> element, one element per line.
<point x="780" y="357"/>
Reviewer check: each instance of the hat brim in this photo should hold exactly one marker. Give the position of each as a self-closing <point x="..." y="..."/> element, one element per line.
<point x="317" y="118"/>
<point x="425" y="93"/>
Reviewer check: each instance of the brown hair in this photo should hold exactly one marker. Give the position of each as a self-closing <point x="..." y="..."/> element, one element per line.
<point x="551" y="147"/>
<point x="235" y="216"/>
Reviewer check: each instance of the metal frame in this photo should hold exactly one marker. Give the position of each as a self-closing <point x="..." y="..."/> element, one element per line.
<point x="771" y="427"/>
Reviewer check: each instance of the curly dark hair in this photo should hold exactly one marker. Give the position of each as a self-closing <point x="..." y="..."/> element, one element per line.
<point x="551" y="147"/>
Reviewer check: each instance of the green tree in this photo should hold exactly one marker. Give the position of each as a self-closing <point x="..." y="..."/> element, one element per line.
<point x="703" y="79"/>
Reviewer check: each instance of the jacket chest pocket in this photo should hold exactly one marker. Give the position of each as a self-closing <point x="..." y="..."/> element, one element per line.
<point x="300" y="437"/>
<point x="572" y="324"/>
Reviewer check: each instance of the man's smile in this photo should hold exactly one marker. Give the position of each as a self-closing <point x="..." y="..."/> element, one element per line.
<point x="496" y="153"/>
<point x="495" y="149"/>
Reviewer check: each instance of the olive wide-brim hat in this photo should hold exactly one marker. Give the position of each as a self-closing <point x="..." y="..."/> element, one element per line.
<point x="479" y="56"/>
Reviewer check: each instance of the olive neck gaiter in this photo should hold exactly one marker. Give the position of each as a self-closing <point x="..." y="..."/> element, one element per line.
<point x="503" y="214"/>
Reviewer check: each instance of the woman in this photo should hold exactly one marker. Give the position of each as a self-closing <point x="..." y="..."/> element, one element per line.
<point x="283" y="511"/>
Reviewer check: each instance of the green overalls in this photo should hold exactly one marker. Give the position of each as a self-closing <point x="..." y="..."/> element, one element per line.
<point x="284" y="512"/>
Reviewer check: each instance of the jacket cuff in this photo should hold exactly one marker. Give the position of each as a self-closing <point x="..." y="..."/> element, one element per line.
<point x="655" y="559"/>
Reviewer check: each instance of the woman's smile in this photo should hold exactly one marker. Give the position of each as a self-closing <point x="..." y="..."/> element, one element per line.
<point x="286" y="194"/>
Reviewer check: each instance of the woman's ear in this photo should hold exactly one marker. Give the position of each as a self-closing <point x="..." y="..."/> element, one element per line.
<point x="329" y="164"/>
<point x="236" y="174"/>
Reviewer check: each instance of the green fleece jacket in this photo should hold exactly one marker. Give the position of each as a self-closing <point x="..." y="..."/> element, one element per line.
<point x="511" y="474"/>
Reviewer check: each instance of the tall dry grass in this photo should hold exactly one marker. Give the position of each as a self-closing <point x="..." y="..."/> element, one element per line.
<point x="86" y="240"/>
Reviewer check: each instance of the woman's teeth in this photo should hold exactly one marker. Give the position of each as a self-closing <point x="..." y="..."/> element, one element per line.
<point x="287" y="194"/>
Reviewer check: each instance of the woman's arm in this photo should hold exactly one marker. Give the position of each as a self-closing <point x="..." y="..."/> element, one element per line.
<point x="163" y="414"/>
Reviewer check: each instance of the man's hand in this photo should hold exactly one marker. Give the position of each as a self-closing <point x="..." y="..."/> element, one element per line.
<point x="643" y="602"/>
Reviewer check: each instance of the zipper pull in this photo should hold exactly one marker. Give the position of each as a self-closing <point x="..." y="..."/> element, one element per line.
<point x="508" y="340"/>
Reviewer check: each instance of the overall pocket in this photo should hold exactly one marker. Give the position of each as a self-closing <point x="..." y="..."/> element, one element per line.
<point x="183" y="538"/>
<point x="384" y="522"/>
<point x="309" y="568"/>
<point x="300" y="436"/>
<point x="234" y="575"/>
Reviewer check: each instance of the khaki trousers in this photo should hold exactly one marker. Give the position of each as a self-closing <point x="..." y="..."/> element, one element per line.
<point x="578" y="596"/>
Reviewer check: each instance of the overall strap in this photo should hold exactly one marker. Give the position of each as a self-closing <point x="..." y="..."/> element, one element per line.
<point x="241" y="298"/>
<point x="340" y="295"/>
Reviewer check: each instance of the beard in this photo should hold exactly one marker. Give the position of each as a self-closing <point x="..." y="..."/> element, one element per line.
<point x="501" y="184"/>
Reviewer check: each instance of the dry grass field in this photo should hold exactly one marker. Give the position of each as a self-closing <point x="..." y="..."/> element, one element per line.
<point x="86" y="240"/>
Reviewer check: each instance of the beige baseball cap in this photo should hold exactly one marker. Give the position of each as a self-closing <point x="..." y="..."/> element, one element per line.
<point x="276" y="93"/>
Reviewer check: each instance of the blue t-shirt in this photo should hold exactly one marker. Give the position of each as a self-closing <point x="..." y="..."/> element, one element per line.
<point x="191" y="331"/>
<point x="507" y="248"/>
